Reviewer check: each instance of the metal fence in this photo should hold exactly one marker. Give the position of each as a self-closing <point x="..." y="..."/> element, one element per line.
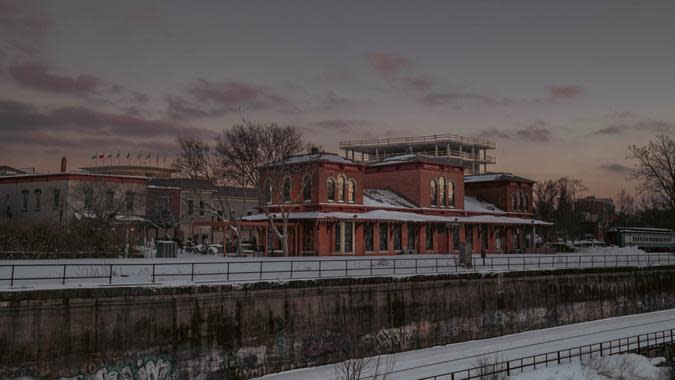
<point x="641" y="344"/>
<point x="273" y="269"/>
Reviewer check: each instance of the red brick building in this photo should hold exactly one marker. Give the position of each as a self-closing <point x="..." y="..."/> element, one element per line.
<point x="409" y="203"/>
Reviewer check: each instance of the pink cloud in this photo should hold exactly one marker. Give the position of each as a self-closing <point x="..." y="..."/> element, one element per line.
<point x="36" y="76"/>
<point x="571" y="91"/>
<point x="387" y="63"/>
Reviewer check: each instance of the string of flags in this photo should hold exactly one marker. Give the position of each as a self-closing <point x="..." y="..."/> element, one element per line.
<point x="141" y="157"/>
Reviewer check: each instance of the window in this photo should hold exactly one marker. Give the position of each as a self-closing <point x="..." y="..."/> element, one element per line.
<point x="338" y="237"/>
<point x="307" y="189"/>
<point x="268" y="191"/>
<point x="384" y="237"/>
<point x="190" y="207"/>
<point x="396" y="231"/>
<point x="109" y="199"/>
<point x="351" y="186"/>
<point x="38" y="195"/>
<point x="340" y="189"/>
<point x="286" y="193"/>
<point x="451" y="194"/>
<point x="455" y="237"/>
<point x="57" y="199"/>
<point x="526" y="202"/>
<point x="349" y="237"/>
<point x="129" y="199"/>
<point x="24" y="200"/>
<point x="433" y="193"/>
<point x="368" y="236"/>
<point x="441" y="190"/>
<point x="429" y="229"/>
<point x="330" y="189"/>
<point x="514" y="201"/>
<point x="412" y="236"/>
<point x="202" y="208"/>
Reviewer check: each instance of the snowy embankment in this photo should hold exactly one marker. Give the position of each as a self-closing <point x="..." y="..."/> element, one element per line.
<point x="440" y="360"/>
<point x="611" y="250"/>
<point x="623" y="367"/>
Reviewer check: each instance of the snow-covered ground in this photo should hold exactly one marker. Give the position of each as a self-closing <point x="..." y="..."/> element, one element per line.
<point x="454" y="357"/>
<point x="191" y="268"/>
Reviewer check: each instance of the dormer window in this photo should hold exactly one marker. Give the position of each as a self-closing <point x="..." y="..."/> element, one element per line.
<point x="307" y="189"/>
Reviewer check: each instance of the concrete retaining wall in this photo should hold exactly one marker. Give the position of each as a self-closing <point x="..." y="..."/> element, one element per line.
<point x="240" y="331"/>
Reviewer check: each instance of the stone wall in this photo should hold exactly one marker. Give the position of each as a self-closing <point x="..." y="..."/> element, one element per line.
<point x="241" y="331"/>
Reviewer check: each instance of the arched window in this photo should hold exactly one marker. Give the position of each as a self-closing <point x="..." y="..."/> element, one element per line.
<point x="307" y="189"/>
<point x="525" y="203"/>
<point x="433" y="193"/>
<point x="351" y="188"/>
<point x="268" y="191"/>
<point x="451" y="194"/>
<point x="441" y="191"/>
<point x="340" y="189"/>
<point x="24" y="199"/>
<point x="38" y="195"/>
<point x="330" y="189"/>
<point x="286" y="193"/>
<point x="516" y="201"/>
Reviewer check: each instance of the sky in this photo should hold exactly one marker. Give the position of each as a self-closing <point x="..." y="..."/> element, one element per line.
<point x="562" y="87"/>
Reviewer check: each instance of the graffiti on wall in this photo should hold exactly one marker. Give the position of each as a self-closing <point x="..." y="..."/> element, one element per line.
<point x="159" y="369"/>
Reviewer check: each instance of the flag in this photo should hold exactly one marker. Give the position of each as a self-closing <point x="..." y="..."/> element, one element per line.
<point x="110" y="155"/>
<point x="102" y="155"/>
<point x="139" y="156"/>
<point x="165" y="158"/>
<point x="147" y="157"/>
<point x="94" y="156"/>
<point x="118" y="154"/>
<point x="157" y="159"/>
<point x="128" y="155"/>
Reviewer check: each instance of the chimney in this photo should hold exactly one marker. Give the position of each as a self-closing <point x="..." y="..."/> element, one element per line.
<point x="64" y="164"/>
<point x="314" y="150"/>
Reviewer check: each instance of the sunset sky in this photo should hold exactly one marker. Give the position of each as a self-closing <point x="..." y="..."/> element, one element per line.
<point x="562" y="87"/>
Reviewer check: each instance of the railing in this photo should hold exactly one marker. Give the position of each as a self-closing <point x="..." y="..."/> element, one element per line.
<point x="419" y="139"/>
<point x="272" y="269"/>
<point x="639" y="343"/>
<point x="467" y="156"/>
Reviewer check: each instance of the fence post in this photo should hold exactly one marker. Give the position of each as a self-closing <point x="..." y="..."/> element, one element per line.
<point x="227" y="275"/>
<point x="192" y="273"/>
<point x="64" y="274"/>
<point x="371" y="266"/>
<point x="292" y="268"/>
<point x="538" y="262"/>
<point x="604" y="257"/>
<point x="261" y="264"/>
<point x="638" y="350"/>
<point x="110" y="275"/>
<point x="394" y="266"/>
<point x="415" y="265"/>
<point x="437" y="265"/>
<point x="508" y="368"/>
<point x="11" y="281"/>
<point x="153" y="273"/>
<point x="492" y="263"/>
<point x="508" y="262"/>
<point x="558" y="357"/>
<point x="346" y="268"/>
<point x="319" y="268"/>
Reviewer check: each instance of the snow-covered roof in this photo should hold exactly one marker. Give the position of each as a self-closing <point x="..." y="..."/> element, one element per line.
<point x="411" y="157"/>
<point x="472" y="204"/>
<point x="309" y="157"/>
<point x="493" y="177"/>
<point x="401" y="216"/>
<point x="384" y="199"/>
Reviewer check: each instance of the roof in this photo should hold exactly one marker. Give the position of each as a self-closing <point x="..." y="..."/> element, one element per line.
<point x="183" y="183"/>
<point x="495" y="177"/>
<point x="311" y="157"/>
<point x="384" y="199"/>
<point x="412" y="157"/>
<point x="400" y="216"/>
<point x="8" y="171"/>
<point x="472" y="204"/>
<point x="641" y="229"/>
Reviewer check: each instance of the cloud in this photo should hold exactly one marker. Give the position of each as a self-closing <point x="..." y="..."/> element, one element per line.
<point x="536" y="132"/>
<point x="616" y="168"/>
<point x="345" y="127"/>
<point x="207" y="99"/>
<point x="646" y="125"/>
<point x="419" y="83"/>
<point x="23" y="28"/>
<point x="494" y="133"/>
<point x="387" y="64"/>
<point x="570" y="91"/>
<point x="460" y="100"/>
<point x="331" y="101"/>
<point x="36" y="76"/>
<point x="24" y="120"/>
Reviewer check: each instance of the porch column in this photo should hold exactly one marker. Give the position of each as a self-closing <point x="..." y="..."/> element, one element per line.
<point x="492" y="238"/>
<point x="359" y="248"/>
<point x="508" y="239"/>
<point x="422" y="238"/>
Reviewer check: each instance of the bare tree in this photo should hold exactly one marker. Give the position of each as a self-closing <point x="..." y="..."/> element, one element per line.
<point x="249" y="149"/>
<point x="568" y="219"/>
<point x="545" y="197"/>
<point x="655" y="169"/>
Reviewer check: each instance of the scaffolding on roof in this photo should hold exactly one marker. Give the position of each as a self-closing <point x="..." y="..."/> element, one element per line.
<point x="468" y="152"/>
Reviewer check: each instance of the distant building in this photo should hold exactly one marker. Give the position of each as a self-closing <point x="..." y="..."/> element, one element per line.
<point x="8" y="171"/>
<point x="132" y="170"/>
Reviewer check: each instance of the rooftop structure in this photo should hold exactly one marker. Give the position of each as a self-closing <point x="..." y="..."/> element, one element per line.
<point x="468" y="152"/>
<point x="133" y="170"/>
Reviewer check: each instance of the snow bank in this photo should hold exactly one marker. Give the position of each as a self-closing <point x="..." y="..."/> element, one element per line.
<point x="629" y="366"/>
<point x="611" y="250"/>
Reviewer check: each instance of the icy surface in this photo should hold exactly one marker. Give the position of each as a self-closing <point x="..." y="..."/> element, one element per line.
<point x="628" y="366"/>
<point x="472" y="204"/>
<point x="453" y="357"/>
<point x="384" y="199"/>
